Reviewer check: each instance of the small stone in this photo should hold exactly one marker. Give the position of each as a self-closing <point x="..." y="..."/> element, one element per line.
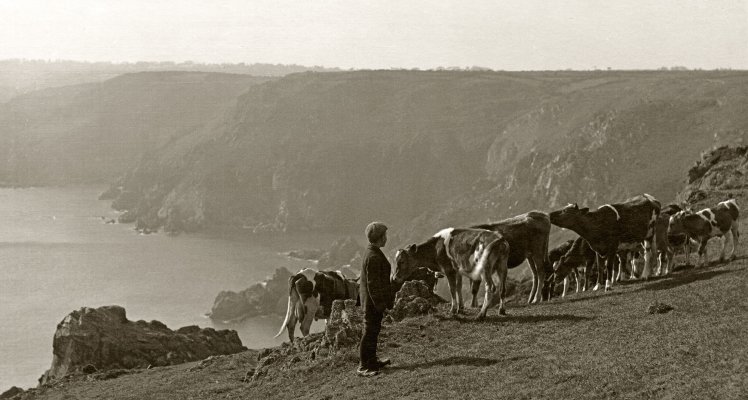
<point x="89" y="369"/>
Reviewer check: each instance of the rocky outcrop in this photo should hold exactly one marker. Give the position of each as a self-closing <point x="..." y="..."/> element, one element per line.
<point x="344" y="327"/>
<point x="263" y="298"/>
<point x="721" y="173"/>
<point x="99" y="339"/>
<point x="413" y="299"/>
<point x="11" y="393"/>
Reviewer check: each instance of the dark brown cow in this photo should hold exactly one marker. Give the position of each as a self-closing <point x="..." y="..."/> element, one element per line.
<point x="475" y="253"/>
<point x="721" y="220"/>
<point x="579" y="254"/>
<point x="612" y="224"/>
<point x="554" y="257"/>
<point x="527" y="235"/>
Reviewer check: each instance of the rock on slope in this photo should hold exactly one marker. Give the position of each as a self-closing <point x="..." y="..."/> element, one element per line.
<point x="105" y="339"/>
<point x="263" y="298"/>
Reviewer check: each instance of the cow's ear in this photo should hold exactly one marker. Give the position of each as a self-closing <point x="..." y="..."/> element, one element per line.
<point x="411" y="249"/>
<point x="576" y="206"/>
<point x="585" y="210"/>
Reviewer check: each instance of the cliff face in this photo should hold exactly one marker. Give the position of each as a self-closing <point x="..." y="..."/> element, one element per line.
<point x="425" y="150"/>
<point x="105" y="339"/>
<point x="95" y="132"/>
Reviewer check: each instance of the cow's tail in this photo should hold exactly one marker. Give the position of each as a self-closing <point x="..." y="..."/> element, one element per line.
<point x="289" y="308"/>
<point x="288" y="316"/>
<point x="497" y="254"/>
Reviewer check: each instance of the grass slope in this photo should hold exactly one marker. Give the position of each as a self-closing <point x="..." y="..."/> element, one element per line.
<point x="590" y="345"/>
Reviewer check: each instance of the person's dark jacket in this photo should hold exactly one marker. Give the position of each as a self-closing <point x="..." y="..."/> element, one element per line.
<point x="375" y="280"/>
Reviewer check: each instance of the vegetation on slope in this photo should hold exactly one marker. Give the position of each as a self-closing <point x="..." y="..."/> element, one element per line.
<point x="424" y="150"/>
<point x="97" y="131"/>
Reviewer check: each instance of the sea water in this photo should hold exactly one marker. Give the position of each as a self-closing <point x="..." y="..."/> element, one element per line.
<point x="57" y="254"/>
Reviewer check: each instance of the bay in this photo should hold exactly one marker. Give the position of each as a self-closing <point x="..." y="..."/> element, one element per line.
<point x="57" y="255"/>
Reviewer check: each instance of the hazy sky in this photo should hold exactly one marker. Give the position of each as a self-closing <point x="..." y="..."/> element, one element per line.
<point x="514" y="35"/>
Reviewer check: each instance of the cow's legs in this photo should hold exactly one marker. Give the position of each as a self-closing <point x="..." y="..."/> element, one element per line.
<point x="632" y="275"/>
<point x="538" y="261"/>
<point x="451" y="282"/>
<point x="458" y="292"/>
<point x="502" y="272"/>
<point x="703" y="256"/>
<point x="687" y="251"/>
<point x="535" y="288"/>
<point x="609" y="265"/>
<point x="474" y="289"/>
<point x="566" y="286"/>
<point x="648" y="258"/>
<point x="487" y="298"/>
<point x="599" y="267"/>
<point x="735" y="237"/>
<point x="727" y="237"/>
<point x="576" y="278"/>
<point x="622" y="262"/>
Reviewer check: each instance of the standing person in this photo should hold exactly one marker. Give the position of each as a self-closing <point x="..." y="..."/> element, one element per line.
<point x="376" y="296"/>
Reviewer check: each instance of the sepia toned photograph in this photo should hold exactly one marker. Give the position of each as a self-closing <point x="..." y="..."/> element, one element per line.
<point x="255" y="199"/>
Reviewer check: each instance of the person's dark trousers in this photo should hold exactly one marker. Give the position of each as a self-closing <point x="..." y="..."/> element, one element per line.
<point x="372" y="326"/>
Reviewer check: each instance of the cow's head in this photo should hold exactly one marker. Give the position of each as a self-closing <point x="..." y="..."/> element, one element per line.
<point x="405" y="264"/>
<point x="307" y="307"/>
<point x="675" y="225"/>
<point x="562" y="268"/>
<point x="568" y="216"/>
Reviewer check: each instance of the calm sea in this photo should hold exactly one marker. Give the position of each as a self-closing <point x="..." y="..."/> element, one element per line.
<point x="57" y="255"/>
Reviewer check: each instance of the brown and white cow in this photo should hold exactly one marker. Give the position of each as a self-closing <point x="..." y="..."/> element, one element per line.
<point x="310" y="297"/>
<point x="474" y="253"/>
<point x="718" y="221"/>
<point x="612" y="224"/>
<point x="666" y="240"/>
<point x="527" y="235"/>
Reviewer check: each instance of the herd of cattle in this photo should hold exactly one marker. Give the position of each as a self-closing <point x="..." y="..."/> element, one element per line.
<point x="609" y="237"/>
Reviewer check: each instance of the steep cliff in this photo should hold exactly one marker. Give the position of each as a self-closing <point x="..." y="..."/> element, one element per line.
<point x="424" y="150"/>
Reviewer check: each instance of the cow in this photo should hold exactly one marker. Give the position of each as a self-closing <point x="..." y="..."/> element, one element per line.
<point x="310" y="297"/>
<point x="527" y="235"/>
<point x="627" y="255"/>
<point x="612" y="224"/>
<point x="554" y="257"/>
<point x="580" y="253"/>
<point x="666" y="240"/>
<point x="718" y="221"/>
<point x="474" y="253"/>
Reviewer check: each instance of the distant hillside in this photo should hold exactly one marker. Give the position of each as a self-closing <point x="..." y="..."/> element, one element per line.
<point x="23" y="76"/>
<point x="95" y="132"/>
<point x="424" y="150"/>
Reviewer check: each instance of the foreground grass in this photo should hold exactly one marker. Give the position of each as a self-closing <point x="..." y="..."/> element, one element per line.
<point x="591" y="345"/>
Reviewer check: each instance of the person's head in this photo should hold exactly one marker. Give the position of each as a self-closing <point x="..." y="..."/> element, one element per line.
<point x="376" y="233"/>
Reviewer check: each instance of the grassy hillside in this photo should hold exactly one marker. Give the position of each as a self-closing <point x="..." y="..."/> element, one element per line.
<point x="97" y="131"/>
<point x="589" y="345"/>
<point x="23" y="76"/>
<point x="424" y="150"/>
<point x="592" y="345"/>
